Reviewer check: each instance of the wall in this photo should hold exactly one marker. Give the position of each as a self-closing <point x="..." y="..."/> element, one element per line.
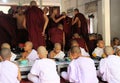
<point x="115" y="18"/>
<point x="115" y="14"/>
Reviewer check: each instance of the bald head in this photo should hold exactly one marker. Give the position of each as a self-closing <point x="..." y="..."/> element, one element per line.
<point x="33" y="3"/>
<point x="5" y="45"/>
<point x="74" y="43"/>
<point x="75" y="49"/>
<point x="108" y="50"/>
<point x="28" y="46"/>
<point x="42" y="52"/>
<point x="57" y="45"/>
<point x="5" y="53"/>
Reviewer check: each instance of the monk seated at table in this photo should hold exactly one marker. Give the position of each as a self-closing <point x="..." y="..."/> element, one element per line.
<point x="80" y="40"/>
<point x="29" y="54"/>
<point x="81" y="69"/>
<point x="57" y="53"/>
<point x="98" y="51"/>
<point x="44" y="69"/>
<point x="109" y="68"/>
<point x="6" y="45"/>
<point x="9" y="72"/>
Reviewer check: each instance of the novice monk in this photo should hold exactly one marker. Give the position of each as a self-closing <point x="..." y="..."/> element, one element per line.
<point x="81" y="41"/>
<point x="109" y="68"/>
<point x="44" y="70"/>
<point x="29" y="53"/>
<point x="6" y="45"/>
<point x="81" y="69"/>
<point x="83" y="52"/>
<point x="9" y="72"/>
<point x="98" y="52"/>
<point x="57" y="53"/>
<point x="57" y="35"/>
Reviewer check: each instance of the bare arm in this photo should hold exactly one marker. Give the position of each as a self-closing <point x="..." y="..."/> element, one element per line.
<point x="46" y="23"/>
<point x="24" y="22"/>
<point x="19" y="75"/>
<point x="75" y="21"/>
<point x="59" y="19"/>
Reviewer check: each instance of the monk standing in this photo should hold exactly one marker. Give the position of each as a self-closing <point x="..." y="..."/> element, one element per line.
<point x="36" y="22"/>
<point x="80" y="24"/>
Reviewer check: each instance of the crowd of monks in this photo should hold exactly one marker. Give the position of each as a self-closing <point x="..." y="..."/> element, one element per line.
<point x="58" y="34"/>
<point x="35" y="25"/>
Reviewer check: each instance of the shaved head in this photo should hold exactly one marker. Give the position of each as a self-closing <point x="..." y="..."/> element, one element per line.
<point x="57" y="45"/>
<point x="5" y="45"/>
<point x="75" y="49"/>
<point x="5" y="53"/>
<point x="29" y="43"/>
<point x="108" y="50"/>
<point x="74" y="43"/>
<point x="42" y="51"/>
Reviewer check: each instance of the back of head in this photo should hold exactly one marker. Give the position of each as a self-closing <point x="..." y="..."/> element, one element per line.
<point x="5" y="53"/>
<point x="5" y="45"/>
<point x="33" y="3"/>
<point x="75" y="49"/>
<point x="42" y="51"/>
<point x="108" y="50"/>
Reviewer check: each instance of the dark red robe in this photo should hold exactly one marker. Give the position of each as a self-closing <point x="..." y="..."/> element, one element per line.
<point x="83" y="30"/>
<point x="35" y="23"/>
<point x="56" y="35"/>
<point x="8" y="27"/>
<point x="81" y="43"/>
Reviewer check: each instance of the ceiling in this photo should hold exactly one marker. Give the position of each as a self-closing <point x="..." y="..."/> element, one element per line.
<point x="26" y="2"/>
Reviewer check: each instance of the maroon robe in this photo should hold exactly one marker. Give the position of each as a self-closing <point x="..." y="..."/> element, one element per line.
<point x="83" y="30"/>
<point x="81" y="43"/>
<point x="8" y="27"/>
<point x="35" y="23"/>
<point x="56" y="35"/>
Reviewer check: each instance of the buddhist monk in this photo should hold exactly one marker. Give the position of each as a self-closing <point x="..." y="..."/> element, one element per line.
<point x="80" y="24"/>
<point x="53" y="21"/>
<point x="57" y="52"/>
<point x="22" y="34"/>
<point x="30" y="54"/>
<point x="36" y="22"/>
<point x="8" y="29"/>
<point x="57" y="35"/>
<point x="9" y="71"/>
<point x="81" y="69"/>
<point x="109" y="68"/>
<point x="44" y="69"/>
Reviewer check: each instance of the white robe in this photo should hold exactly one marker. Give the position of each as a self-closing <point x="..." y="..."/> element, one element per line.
<point x="44" y="71"/>
<point x="60" y="55"/>
<point x="83" y="52"/>
<point x="109" y="69"/>
<point x="33" y="55"/>
<point x="8" y="72"/>
<point x="98" y="51"/>
<point x="81" y="70"/>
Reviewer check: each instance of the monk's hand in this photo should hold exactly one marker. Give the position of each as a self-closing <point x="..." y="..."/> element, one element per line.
<point x="64" y="16"/>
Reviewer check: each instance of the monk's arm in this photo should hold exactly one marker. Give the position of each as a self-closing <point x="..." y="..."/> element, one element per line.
<point x="24" y="22"/>
<point x="59" y="19"/>
<point x="75" y="21"/>
<point x="19" y="75"/>
<point x="46" y="23"/>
